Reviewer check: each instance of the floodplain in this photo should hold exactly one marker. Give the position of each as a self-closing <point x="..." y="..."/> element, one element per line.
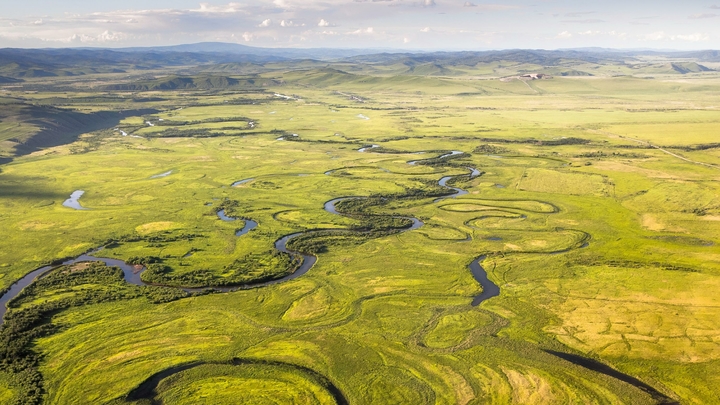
<point x="593" y="201"/>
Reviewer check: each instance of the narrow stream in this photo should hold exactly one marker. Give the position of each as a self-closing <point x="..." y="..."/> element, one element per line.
<point x="361" y="150"/>
<point x="453" y="153"/>
<point x="249" y="223"/>
<point x="157" y="176"/>
<point x="239" y="182"/>
<point x="458" y="191"/>
<point x="330" y="207"/>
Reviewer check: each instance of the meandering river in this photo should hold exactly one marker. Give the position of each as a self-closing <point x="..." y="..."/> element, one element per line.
<point x="132" y="274"/>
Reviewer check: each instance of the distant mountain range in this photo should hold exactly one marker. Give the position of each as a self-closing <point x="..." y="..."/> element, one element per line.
<point x="18" y="64"/>
<point x="333" y="53"/>
<point x="237" y="49"/>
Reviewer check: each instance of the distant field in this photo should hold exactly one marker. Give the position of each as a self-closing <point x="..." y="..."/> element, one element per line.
<point x="550" y="181"/>
<point x="671" y="133"/>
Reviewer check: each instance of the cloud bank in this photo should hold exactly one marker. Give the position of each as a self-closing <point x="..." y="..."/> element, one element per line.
<point x="426" y="24"/>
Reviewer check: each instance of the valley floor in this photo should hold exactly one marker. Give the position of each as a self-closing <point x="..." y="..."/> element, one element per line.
<point x="594" y="204"/>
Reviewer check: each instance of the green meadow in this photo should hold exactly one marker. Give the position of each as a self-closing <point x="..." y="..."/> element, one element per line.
<point x="602" y="243"/>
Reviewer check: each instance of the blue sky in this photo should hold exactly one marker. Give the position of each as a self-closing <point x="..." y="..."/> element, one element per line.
<point x="396" y="24"/>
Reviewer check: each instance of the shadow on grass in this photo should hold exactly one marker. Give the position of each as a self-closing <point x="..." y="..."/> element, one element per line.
<point x="61" y="127"/>
<point x="32" y="188"/>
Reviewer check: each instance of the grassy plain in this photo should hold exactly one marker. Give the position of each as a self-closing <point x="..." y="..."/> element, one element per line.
<point x="389" y="320"/>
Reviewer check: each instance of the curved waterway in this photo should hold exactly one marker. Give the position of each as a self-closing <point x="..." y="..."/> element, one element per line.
<point x="330" y="207"/>
<point x="489" y="289"/>
<point x="361" y="150"/>
<point x="443" y="181"/>
<point x="249" y="223"/>
<point x="239" y="182"/>
<point x="131" y="273"/>
<point x="452" y="153"/>
<point x="458" y="191"/>
<point x="161" y="175"/>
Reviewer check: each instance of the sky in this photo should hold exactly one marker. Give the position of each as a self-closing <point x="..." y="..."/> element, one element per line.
<point x="375" y="24"/>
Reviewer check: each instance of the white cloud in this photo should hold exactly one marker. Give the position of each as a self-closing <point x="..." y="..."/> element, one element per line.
<point x="106" y="36"/>
<point x="655" y="36"/>
<point x="227" y="8"/>
<point x="314" y="5"/>
<point x="662" y="36"/>
<point x="368" y="30"/>
<point x="697" y="37"/>
<point x="280" y="23"/>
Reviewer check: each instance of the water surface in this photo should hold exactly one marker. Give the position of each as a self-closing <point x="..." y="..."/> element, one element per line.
<point x="239" y="182"/>
<point x="73" y="202"/>
<point x="157" y="176"/>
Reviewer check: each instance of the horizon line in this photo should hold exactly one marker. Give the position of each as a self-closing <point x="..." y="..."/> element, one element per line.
<point x="379" y="49"/>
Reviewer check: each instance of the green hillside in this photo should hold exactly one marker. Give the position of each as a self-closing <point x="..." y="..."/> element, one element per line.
<point x="182" y="83"/>
<point x="25" y="128"/>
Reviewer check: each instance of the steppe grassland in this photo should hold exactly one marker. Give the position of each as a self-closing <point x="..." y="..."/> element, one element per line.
<point x="394" y="312"/>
